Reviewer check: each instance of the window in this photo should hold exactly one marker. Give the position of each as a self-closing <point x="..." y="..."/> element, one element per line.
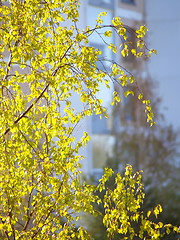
<point x="99" y="126"/>
<point x="102" y="149"/>
<point x="101" y="48"/>
<point x="128" y="1"/>
<point x="106" y="1"/>
<point x="102" y="3"/>
<point x="97" y="174"/>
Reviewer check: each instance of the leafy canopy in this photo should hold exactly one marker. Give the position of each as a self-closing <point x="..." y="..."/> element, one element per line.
<point x="44" y="64"/>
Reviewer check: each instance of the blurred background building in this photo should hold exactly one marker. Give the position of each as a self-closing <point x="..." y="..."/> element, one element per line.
<point x="102" y="130"/>
<point x="163" y="20"/>
<point x="126" y="138"/>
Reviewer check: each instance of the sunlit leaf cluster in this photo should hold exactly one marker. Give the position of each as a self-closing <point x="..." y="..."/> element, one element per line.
<point x="123" y="217"/>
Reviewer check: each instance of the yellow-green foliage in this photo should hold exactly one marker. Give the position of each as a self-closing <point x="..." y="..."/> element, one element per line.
<point x="123" y="209"/>
<point x="42" y="64"/>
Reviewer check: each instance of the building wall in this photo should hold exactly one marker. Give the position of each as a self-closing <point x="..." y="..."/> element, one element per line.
<point x="163" y="21"/>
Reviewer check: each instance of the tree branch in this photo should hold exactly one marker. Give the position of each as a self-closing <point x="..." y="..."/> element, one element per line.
<point x="6" y="232"/>
<point x="27" y="110"/>
<point x="41" y="94"/>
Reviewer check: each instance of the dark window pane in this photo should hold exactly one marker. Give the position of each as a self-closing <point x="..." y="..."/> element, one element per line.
<point x="102" y="3"/>
<point x="128" y="1"/>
